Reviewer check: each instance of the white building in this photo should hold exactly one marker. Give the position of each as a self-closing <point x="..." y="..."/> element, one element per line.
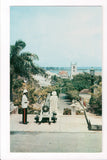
<point x="63" y="74"/>
<point x="73" y="70"/>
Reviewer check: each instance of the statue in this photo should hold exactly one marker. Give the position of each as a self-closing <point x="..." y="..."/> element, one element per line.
<point x="53" y="102"/>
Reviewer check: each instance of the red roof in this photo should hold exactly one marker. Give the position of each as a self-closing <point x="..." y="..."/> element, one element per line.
<point x="63" y="72"/>
<point x="85" y="91"/>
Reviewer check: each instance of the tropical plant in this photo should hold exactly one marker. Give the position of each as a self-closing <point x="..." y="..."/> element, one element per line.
<point x="22" y="64"/>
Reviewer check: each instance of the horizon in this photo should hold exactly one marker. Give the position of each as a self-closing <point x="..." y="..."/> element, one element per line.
<point x="69" y="67"/>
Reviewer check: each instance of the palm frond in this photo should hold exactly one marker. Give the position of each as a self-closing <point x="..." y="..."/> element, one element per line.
<point x="20" y="44"/>
<point x="31" y="55"/>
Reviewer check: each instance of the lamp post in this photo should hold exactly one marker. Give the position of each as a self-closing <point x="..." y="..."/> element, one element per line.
<point x="92" y="72"/>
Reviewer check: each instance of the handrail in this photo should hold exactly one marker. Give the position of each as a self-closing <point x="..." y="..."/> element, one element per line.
<point x="88" y="121"/>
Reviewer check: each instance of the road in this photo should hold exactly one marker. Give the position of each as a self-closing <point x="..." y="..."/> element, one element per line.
<point x="55" y="142"/>
<point x="63" y="102"/>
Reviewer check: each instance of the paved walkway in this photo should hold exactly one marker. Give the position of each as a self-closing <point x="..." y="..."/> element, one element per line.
<point x="63" y="102"/>
<point x="68" y="134"/>
<point x="65" y="123"/>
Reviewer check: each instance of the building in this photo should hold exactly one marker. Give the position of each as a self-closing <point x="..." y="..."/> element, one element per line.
<point x="73" y="70"/>
<point x="63" y="74"/>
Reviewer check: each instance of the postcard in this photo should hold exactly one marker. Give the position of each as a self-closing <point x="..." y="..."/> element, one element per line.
<point x="53" y="80"/>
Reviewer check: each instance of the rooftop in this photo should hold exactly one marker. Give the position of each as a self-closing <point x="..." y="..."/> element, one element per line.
<point x="63" y="72"/>
<point x="85" y="91"/>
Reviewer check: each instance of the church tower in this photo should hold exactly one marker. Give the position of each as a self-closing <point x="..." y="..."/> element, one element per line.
<point x="73" y="70"/>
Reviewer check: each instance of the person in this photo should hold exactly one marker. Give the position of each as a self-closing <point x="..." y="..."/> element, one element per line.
<point x="53" y="103"/>
<point x="25" y="103"/>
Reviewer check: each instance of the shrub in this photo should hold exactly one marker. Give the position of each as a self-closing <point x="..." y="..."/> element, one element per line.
<point x="73" y="94"/>
<point x="67" y="111"/>
<point x="96" y="101"/>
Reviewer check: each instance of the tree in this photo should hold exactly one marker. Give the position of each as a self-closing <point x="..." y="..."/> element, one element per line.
<point x="73" y="94"/>
<point x="96" y="100"/>
<point x="67" y="85"/>
<point x="22" y="64"/>
<point x="14" y="52"/>
<point x="82" y="81"/>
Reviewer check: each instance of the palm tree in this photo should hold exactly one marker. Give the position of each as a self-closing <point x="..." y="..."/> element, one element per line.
<point x="22" y="63"/>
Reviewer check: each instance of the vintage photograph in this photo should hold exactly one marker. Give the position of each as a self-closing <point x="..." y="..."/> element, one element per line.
<point x="56" y="79"/>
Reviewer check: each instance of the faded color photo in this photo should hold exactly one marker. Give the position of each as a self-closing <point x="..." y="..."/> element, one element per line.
<point x="56" y="79"/>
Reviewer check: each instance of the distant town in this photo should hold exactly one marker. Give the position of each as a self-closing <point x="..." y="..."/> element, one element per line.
<point x="66" y="71"/>
<point x="68" y="68"/>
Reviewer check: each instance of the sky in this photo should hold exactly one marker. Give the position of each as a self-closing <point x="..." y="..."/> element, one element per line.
<point x="59" y="35"/>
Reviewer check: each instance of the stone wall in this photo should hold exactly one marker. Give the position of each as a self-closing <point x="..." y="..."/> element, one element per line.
<point x="13" y="109"/>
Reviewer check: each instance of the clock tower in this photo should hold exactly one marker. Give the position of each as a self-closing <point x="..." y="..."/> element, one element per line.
<point x="73" y="70"/>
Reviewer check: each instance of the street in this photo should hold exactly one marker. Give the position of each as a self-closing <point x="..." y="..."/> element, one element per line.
<point x="55" y="142"/>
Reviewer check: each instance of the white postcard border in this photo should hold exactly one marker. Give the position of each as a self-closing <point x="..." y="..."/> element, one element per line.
<point x="5" y="44"/>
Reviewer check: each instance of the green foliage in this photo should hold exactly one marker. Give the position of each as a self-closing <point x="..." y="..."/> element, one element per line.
<point x="96" y="104"/>
<point x="63" y="85"/>
<point x="96" y="101"/>
<point x="18" y="87"/>
<point x="36" y="94"/>
<point x="81" y="81"/>
<point x="67" y="111"/>
<point x="22" y="64"/>
<point x="38" y="70"/>
<point x="73" y="94"/>
<point x="98" y="79"/>
<point x="17" y="83"/>
<point x="67" y="85"/>
<point x="54" y="78"/>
